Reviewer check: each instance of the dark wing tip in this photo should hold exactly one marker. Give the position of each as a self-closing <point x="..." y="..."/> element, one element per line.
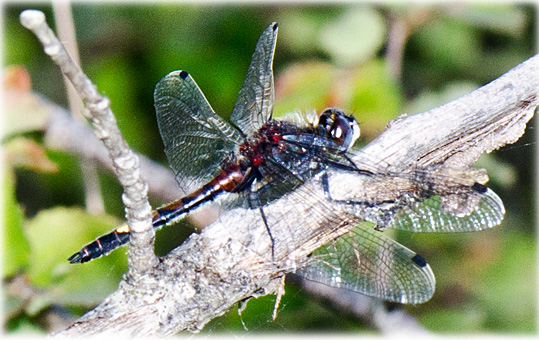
<point x="419" y="260"/>
<point x="480" y="188"/>
<point x="275" y="25"/>
<point x="184" y="74"/>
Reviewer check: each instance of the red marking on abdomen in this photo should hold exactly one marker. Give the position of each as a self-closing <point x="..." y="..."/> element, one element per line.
<point x="228" y="179"/>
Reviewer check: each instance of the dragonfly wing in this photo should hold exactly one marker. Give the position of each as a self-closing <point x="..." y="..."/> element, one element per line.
<point x="196" y="140"/>
<point x="464" y="208"/>
<point x="366" y="261"/>
<point x="430" y="215"/>
<point x="254" y="105"/>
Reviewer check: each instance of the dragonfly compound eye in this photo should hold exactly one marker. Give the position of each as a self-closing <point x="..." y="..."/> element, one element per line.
<point x="340" y="128"/>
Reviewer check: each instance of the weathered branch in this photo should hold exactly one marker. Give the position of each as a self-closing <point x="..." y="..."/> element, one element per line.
<point x="231" y="260"/>
<point x="138" y="210"/>
<point x="66" y="32"/>
<point x="64" y="133"/>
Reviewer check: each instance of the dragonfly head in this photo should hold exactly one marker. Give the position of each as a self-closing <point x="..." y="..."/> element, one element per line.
<point x="340" y="127"/>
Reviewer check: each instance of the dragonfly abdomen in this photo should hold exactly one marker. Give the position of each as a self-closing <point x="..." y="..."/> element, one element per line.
<point x="227" y="180"/>
<point x="102" y="245"/>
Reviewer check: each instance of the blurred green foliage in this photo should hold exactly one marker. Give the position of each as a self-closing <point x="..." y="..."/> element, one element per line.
<point x="326" y="55"/>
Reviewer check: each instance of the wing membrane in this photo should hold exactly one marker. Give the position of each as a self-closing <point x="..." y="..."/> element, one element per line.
<point x="370" y="263"/>
<point x="429" y="215"/>
<point x="254" y="105"/>
<point x="196" y="140"/>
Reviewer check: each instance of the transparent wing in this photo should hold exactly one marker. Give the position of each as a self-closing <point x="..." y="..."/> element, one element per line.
<point x="466" y="206"/>
<point x="254" y="105"/>
<point x="196" y="140"/>
<point x="370" y="263"/>
<point x="430" y="215"/>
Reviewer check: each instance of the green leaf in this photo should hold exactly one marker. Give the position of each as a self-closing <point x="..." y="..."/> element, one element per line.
<point x="429" y="99"/>
<point x="15" y="245"/>
<point x="453" y="320"/>
<point x="20" y="101"/>
<point x="57" y="233"/>
<point x="374" y="95"/>
<point x="26" y="153"/>
<point x="508" y="288"/>
<point x="303" y="87"/>
<point x="354" y="37"/>
<point x="502" y="18"/>
<point x="448" y="44"/>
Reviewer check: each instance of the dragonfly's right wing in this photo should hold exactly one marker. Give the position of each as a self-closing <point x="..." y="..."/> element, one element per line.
<point x="430" y="216"/>
<point x="254" y="105"/>
<point x="197" y="141"/>
<point x="462" y="205"/>
<point x="366" y="261"/>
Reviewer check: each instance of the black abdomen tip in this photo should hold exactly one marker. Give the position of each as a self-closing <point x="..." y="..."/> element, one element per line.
<point x="75" y="258"/>
<point x="184" y="74"/>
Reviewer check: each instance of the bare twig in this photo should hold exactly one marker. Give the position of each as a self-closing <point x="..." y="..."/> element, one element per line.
<point x="66" y="32"/>
<point x="397" y="36"/>
<point x="401" y="26"/>
<point x="126" y="164"/>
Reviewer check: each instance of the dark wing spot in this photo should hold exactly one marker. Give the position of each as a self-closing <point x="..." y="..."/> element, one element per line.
<point x="184" y="74"/>
<point x="420" y="261"/>
<point x="480" y="188"/>
<point x="275" y="26"/>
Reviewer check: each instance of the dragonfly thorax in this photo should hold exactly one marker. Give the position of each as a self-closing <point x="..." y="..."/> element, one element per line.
<point x="256" y="149"/>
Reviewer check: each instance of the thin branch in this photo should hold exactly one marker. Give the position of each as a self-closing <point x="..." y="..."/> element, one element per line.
<point x="401" y="25"/>
<point x="397" y="36"/>
<point x="126" y="163"/>
<point x="63" y="133"/>
<point x="230" y="260"/>
<point x="66" y="32"/>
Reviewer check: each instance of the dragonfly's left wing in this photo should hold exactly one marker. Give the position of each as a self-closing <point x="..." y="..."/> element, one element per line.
<point x="366" y="261"/>
<point x="197" y="140"/>
<point x="254" y="105"/>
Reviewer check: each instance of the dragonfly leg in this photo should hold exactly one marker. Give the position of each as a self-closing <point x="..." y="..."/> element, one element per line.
<point x="327" y="193"/>
<point x="269" y="233"/>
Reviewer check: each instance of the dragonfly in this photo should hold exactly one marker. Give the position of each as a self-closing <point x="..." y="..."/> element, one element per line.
<point x="254" y="160"/>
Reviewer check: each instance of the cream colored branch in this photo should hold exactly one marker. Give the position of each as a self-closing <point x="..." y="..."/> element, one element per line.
<point x="126" y="163"/>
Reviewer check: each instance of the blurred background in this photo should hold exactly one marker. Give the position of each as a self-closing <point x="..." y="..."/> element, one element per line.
<point x="374" y="60"/>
